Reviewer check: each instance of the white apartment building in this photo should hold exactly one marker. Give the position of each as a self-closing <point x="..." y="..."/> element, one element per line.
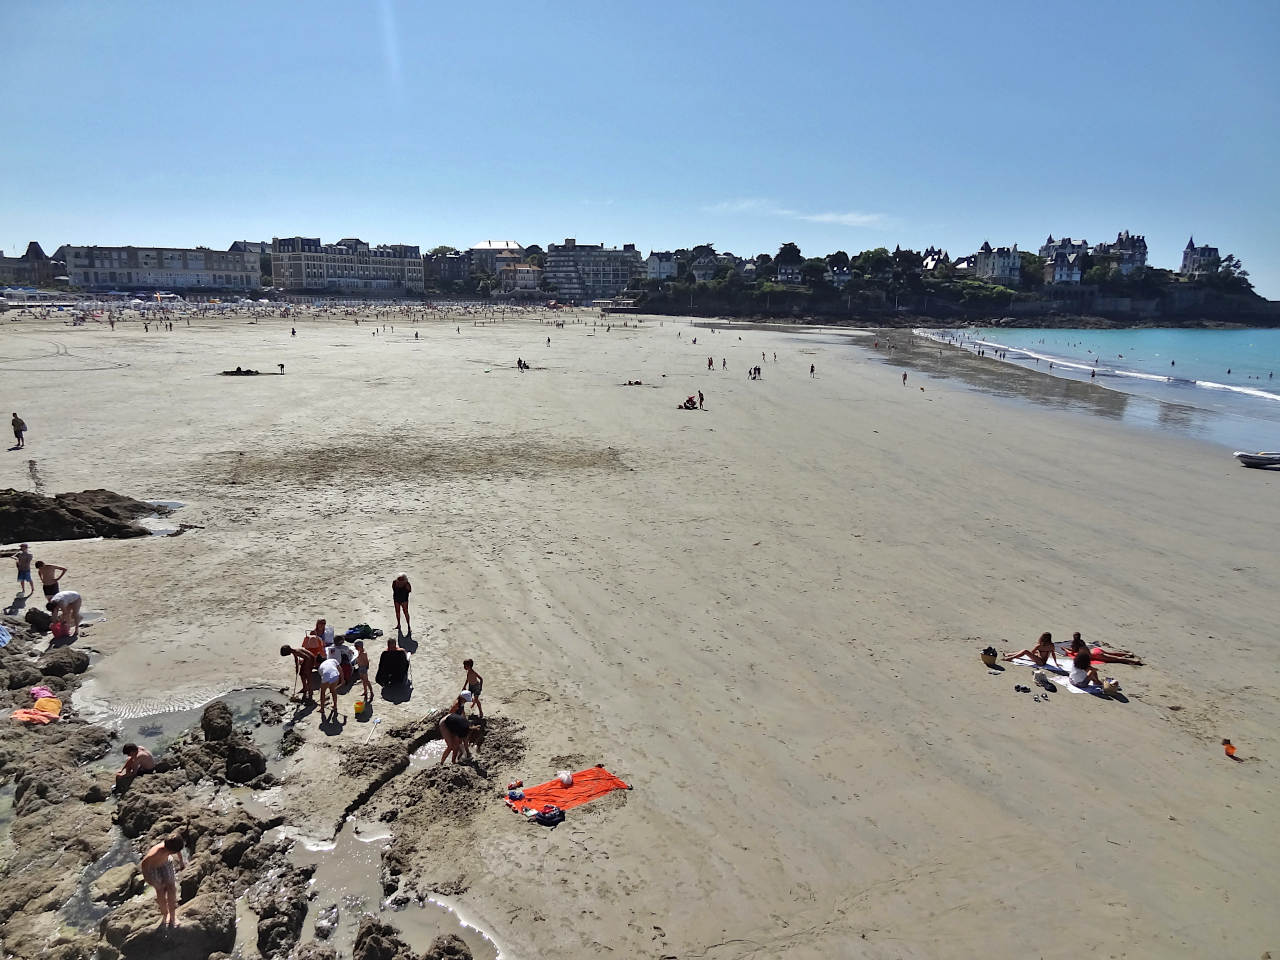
<point x="160" y="268"/>
<point x="350" y="266"/>
<point x="581" y="272"/>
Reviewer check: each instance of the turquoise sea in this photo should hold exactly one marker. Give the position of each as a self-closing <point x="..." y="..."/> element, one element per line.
<point x="1226" y="383"/>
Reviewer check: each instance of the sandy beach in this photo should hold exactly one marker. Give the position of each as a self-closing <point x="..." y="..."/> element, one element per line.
<point x="764" y="616"/>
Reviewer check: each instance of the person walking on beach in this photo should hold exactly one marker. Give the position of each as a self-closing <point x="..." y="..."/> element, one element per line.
<point x="50" y="574"/>
<point x="19" y="431"/>
<point x="904" y="378"/>
<point x="23" y="559"/>
<point x="474" y="684"/>
<point x="157" y="870"/>
<point x="700" y="400"/>
<point x="400" y="590"/>
<point x="811" y="369"/>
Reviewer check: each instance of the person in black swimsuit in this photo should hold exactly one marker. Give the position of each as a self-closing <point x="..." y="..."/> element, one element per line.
<point x="400" y="590"/>
<point x="455" y="728"/>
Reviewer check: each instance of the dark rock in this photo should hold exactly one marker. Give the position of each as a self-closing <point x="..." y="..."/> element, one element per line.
<point x="313" y="951"/>
<point x="271" y="713"/>
<point x="38" y="618"/>
<point x="244" y="761"/>
<point x="327" y="921"/>
<point x="290" y="742"/>
<point x="379" y="941"/>
<point x="149" y="799"/>
<point x="117" y="885"/>
<point x="447" y="946"/>
<point x="70" y="516"/>
<point x="206" y="925"/>
<point x="62" y="661"/>
<point x="388" y="816"/>
<point x="23" y="675"/>
<point x="216" y="722"/>
<point x="279" y="901"/>
<point x="95" y="793"/>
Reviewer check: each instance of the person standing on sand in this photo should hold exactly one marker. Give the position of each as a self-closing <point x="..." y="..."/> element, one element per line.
<point x="400" y="590"/>
<point x="157" y="870"/>
<point x="23" y="559"/>
<point x="811" y="369"/>
<point x="362" y="672"/>
<point x="50" y="574"/>
<point x="699" y="399"/>
<point x="904" y="378"/>
<point x="305" y="665"/>
<point x="474" y="684"/>
<point x="19" y="430"/>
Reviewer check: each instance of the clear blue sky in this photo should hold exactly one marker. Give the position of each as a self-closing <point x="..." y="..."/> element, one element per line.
<point x="834" y="125"/>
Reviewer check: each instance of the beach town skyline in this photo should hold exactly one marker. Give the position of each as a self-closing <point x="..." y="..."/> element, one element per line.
<point x="832" y="128"/>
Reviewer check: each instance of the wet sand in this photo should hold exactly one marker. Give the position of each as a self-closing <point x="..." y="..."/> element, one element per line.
<point x="764" y="616"/>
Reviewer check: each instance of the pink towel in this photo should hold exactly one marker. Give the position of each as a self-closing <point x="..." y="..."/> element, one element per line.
<point x="38" y="692"/>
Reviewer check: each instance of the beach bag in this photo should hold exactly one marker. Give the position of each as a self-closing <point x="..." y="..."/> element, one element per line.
<point x="989" y="656"/>
<point x="58" y="629"/>
<point x="549" y="816"/>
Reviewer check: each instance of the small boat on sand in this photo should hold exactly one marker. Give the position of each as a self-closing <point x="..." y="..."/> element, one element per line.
<point x="1262" y="458"/>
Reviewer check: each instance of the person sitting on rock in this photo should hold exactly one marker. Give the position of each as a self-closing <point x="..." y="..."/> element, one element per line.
<point x="140" y="761"/>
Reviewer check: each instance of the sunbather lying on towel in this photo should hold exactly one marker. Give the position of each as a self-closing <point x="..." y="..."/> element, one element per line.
<point x="1041" y="653"/>
<point x="1106" y="656"/>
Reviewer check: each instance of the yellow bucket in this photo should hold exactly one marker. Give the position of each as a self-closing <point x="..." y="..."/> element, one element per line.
<point x="359" y="706"/>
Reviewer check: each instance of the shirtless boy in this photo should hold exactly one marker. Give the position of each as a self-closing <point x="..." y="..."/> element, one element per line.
<point x="140" y="761"/>
<point x="157" y="870"/>
<point x="50" y="574"/>
<point x="362" y="672"/>
<point x="474" y="684"/>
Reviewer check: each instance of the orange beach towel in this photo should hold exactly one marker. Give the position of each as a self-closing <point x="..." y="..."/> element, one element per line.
<point x="587" y="785"/>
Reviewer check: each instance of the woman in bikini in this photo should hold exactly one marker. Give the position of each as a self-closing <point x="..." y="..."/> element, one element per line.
<point x="400" y="590"/>
<point x="1040" y="653"/>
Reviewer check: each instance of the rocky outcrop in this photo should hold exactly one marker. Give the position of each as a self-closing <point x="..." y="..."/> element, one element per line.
<point x="313" y="951"/>
<point x="376" y="940"/>
<point x="206" y="925"/>
<point x="70" y="516"/>
<point x="117" y="885"/>
<point x="280" y="901"/>
<point x="448" y="946"/>
<point x="216" y="721"/>
<point x="63" y="660"/>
